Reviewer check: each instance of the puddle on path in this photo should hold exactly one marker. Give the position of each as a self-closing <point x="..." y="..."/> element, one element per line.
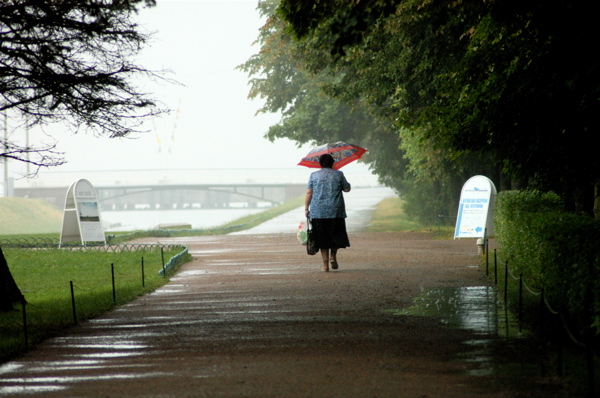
<point x="479" y="310"/>
<point x="474" y="308"/>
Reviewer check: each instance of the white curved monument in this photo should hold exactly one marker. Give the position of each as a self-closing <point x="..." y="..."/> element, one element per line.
<point x="81" y="220"/>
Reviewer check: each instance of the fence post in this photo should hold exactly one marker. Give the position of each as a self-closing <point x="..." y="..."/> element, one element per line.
<point x="487" y="264"/>
<point x="589" y="335"/>
<point x="112" y="273"/>
<point x="506" y="283"/>
<point x="495" y="268"/>
<point x="25" y="331"/>
<point x="143" y="281"/>
<point x="559" y="354"/>
<point x="520" y="302"/>
<point x="506" y="297"/>
<point x="162" y="255"/>
<point x="589" y="359"/>
<point x="73" y="303"/>
<point x="542" y="315"/>
<point x="485" y="240"/>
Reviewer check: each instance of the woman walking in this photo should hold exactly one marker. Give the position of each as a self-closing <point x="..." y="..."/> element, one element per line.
<point x="324" y="205"/>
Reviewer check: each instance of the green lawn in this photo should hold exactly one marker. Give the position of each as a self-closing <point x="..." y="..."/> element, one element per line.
<point x="45" y="275"/>
<point x="389" y="217"/>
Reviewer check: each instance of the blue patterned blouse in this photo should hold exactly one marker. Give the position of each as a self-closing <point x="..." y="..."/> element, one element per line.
<point x="327" y="198"/>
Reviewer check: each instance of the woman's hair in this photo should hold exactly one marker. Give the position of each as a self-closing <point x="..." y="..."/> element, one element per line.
<point x="326" y="161"/>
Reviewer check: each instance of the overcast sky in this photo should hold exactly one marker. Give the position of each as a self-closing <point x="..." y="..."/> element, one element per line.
<point x="213" y="124"/>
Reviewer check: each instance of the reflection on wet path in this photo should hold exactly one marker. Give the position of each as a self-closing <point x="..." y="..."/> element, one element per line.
<point x="255" y="317"/>
<point x="474" y="308"/>
<point x="76" y="359"/>
<point x="479" y="310"/>
<point x="127" y="346"/>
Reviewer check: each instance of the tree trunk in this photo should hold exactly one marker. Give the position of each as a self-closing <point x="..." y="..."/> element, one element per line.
<point x="9" y="291"/>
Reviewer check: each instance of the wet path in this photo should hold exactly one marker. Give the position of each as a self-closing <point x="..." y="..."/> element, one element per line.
<point x="252" y="316"/>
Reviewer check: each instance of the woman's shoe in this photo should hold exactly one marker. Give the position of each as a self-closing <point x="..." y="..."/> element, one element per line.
<point x="325" y="268"/>
<point x="334" y="264"/>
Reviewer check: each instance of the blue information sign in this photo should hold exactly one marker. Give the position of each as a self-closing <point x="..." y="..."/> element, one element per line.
<point x="476" y="209"/>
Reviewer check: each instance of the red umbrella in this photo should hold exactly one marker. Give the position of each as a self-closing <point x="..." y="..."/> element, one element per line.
<point x="343" y="153"/>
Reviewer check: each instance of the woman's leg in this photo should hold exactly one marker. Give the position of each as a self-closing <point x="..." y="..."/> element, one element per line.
<point x="334" y="264"/>
<point x="325" y="256"/>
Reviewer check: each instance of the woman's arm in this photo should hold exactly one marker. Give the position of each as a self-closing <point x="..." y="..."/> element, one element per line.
<point x="345" y="184"/>
<point x="307" y="200"/>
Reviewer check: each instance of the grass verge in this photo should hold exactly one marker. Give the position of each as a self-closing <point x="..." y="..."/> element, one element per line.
<point x="26" y="216"/>
<point x="390" y="217"/>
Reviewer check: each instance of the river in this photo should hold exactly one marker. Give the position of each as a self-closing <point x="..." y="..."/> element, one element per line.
<point x="149" y="219"/>
<point x="360" y="204"/>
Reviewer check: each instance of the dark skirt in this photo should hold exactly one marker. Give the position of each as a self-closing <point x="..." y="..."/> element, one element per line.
<point x="330" y="233"/>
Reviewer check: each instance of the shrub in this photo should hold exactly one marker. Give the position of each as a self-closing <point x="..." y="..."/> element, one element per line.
<point x="421" y="204"/>
<point x="517" y="215"/>
<point x="554" y="250"/>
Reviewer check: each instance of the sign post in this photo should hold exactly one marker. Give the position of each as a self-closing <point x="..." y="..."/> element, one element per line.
<point x="476" y="209"/>
<point x="81" y="220"/>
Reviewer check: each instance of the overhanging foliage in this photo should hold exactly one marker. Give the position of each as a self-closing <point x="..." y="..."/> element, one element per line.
<point x="70" y="61"/>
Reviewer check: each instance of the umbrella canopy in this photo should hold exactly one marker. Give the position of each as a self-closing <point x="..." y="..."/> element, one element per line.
<point x="343" y="153"/>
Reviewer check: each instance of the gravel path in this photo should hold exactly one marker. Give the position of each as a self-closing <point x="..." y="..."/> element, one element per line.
<point x="253" y="316"/>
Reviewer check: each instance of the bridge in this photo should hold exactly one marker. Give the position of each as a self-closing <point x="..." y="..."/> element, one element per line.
<point x="180" y="189"/>
<point x="176" y="196"/>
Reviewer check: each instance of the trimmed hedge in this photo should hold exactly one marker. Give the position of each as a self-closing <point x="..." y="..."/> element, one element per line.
<point x="554" y="250"/>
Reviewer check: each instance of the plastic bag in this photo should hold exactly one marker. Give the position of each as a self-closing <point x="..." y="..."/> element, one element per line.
<point x="301" y="234"/>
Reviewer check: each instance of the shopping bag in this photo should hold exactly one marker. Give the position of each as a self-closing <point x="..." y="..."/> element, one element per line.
<point x="311" y="247"/>
<point x="301" y="233"/>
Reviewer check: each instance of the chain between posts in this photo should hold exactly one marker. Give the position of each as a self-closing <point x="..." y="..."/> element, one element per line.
<point x="164" y="270"/>
<point x="544" y="306"/>
<point x="47" y="243"/>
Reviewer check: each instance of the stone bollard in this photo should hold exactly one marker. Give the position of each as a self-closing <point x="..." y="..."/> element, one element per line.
<point x="480" y="246"/>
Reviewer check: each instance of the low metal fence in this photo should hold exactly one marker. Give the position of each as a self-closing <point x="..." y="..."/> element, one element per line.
<point x="52" y="244"/>
<point x="586" y="342"/>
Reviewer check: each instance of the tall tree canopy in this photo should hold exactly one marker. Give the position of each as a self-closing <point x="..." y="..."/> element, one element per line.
<point x="497" y="87"/>
<point x="310" y="115"/>
<point x="328" y="92"/>
<point x="71" y="61"/>
<point x="502" y="77"/>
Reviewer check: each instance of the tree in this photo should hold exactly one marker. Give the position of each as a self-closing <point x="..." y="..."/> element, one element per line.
<point x="69" y="61"/>
<point x="526" y="89"/>
<point x="9" y="291"/>
<point x="502" y="79"/>
<point x="329" y="90"/>
<point x="281" y="76"/>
